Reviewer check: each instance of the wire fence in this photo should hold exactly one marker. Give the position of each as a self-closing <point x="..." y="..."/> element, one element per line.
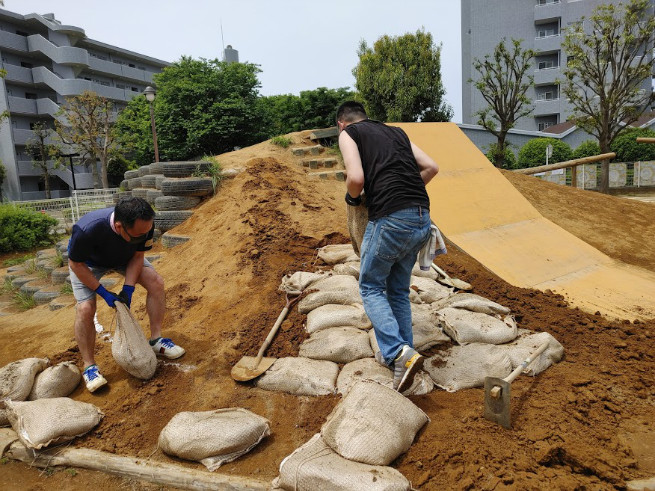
<point x="69" y="210"/>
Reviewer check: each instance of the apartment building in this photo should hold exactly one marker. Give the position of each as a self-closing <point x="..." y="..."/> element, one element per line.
<point x="46" y="62"/>
<point x="540" y="25"/>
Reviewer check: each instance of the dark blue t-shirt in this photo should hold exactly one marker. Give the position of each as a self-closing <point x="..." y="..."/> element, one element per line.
<point x="95" y="243"/>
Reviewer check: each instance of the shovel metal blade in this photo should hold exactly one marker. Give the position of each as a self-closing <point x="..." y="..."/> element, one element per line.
<point x="247" y="368"/>
<point x="496" y="401"/>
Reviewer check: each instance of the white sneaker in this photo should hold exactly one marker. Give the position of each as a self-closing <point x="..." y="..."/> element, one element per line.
<point x="93" y="378"/>
<point x="167" y="348"/>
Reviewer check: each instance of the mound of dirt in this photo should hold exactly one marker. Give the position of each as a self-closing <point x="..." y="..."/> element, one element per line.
<point x="587" y="422"/>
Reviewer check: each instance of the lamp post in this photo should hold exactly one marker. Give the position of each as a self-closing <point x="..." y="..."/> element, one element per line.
<point x="70" y="156"/>
<point x="149" y="92"/>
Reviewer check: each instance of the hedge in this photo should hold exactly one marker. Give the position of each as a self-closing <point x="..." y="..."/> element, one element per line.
<point x="22" y="230"/>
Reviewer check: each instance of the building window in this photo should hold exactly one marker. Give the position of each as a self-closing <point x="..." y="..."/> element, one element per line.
<point x="543" y="126"/>
<point x="30" y="95"/>
<point x="545" y="96"/>
<point x="135" y="89"/>
<point x="131" y="65"/>
<point x="120" y="86"/>
<point x="543" y="65"/>
<point x="25" y="64"/>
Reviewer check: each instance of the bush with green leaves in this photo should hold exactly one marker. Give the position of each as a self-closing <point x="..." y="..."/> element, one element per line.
<point x="22" y="230"/>
<point x="587" y="148"/>
<point x="628" y="150"/>
<point x="281" y="141"/>
<point x="533" y="153"/>
<point x="510" y="158"/>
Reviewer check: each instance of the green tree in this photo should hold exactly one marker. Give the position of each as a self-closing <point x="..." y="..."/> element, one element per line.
<point x="607" y="66"/>
<point x="509" y="159"/>
<point x="628" y="150"/>
<point x="587" y="148"/>
<point x="533" y="153"/>
<point x="134" y="133"/>
<point x="42" y="151"/>
<point x="282" y="114"/>
<point x="3" y="175"/>
<point x="399" y="79"/>
<point x="86" y="123"/>
<point x="206" y="107"/>
<point x="503" y="83"/>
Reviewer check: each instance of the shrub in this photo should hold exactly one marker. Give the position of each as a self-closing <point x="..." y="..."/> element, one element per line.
<point x="510" y="158"/>
<point x="281" y="141"/>
<point x="533" y="153"/>
<point x="22" y="230"/>
<point x="628" y="150"/>
<point x="586" y="149"/>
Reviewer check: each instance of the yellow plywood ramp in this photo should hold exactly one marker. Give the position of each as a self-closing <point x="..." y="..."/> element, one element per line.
<point x="481" y="212"/>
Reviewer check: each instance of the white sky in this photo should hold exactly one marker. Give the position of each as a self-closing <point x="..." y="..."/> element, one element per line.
<point x="299" y="45"/>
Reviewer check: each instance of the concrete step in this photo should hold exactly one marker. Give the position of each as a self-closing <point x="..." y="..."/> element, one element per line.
<point x="337" y="175"/>
<point x="62" y="301"/>
<point x="328" y="163"/>
<point x="313" y="150"/>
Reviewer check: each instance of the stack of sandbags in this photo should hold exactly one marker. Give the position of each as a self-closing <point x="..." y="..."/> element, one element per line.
<point x="333" y="289"/>
<point x="332" y="315"/>
<point x="213" y="437"/>
<point x="465" y="327"/>
<point x="57" y="381"/>
<point x="372" y="370"/>
<point x="338" y="253"/>
<point x="16" y="381"/>
<point x="337" y="344"/>
<point x="300" y="376"/>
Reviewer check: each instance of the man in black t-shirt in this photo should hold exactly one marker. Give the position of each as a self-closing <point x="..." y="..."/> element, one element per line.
<point x="115" y="239"/>
<point x="381" y="161"/>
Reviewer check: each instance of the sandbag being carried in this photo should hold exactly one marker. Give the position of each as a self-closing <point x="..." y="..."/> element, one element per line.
<point x="357" y="222"/>
<point x="463" y="367"/>
<point x="337" y="344"/>
<point x="57" y="381"/>
<point x="429" y="290"/>
<point x="16" y="380"/>
<point x="316" y="466"/>
<point x="330" y="315"/>
<point x="213" y="437"/>
<point x="370" y="369"/>
<point x="464" y="326"/>
<point x="373" y="424"/>
<point x="130" y="347"/>
<point x="50" y="421"/>
<point x="301" y="376"/>
<point x="299" y="281"/>
<point x="526" y="344"/>
<point x="339" y="253"/>
<point x="472" y="302"/>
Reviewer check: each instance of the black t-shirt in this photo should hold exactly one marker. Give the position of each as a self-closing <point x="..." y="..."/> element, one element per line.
<point x="392" y="178"/>
<point x="95" y="243"/>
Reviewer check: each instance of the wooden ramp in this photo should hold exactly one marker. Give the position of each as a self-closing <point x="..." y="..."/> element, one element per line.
<point x="481" y="212"/>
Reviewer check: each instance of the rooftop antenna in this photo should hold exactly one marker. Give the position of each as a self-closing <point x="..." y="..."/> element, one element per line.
<point x="222" y="40"/>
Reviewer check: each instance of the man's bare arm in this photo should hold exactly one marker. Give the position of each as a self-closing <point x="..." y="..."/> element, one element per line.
<point x="353" y="163"/>
<point x="426" y="165"/>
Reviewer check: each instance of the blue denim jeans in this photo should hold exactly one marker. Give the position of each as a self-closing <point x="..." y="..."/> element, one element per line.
<point x="388" y="254"/>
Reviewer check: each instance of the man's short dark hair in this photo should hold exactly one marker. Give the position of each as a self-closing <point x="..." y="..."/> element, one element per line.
<point x="129" y="209"/>
<point x="351" y="111"/>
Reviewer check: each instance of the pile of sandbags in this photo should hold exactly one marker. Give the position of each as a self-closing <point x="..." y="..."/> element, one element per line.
<point x="16" y="381"/>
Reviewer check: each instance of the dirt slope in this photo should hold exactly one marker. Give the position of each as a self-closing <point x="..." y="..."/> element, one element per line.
<point x="587" y="422"/>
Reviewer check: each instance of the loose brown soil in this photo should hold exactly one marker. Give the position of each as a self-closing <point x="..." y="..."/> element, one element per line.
<point x="588" y="422"/>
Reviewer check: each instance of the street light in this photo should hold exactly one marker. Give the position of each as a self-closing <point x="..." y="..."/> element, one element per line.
<point x="150" y="93"/>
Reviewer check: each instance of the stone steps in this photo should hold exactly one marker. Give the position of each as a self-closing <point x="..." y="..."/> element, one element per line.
<point x="327" y="163"/>
<point x="336" y="175"/>
<point x="313" y="150"/>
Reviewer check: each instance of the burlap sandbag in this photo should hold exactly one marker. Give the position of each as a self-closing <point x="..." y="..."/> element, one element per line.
<point x="430" y="273"/>
<point x="315" y="466"/>
<point x="50" y="421"/>
<point x="351" y="269"/>
<point x="318" y="299"/>
<point x="301" y="376"/>
<point x="373" y="424"/>
<point x="16" y="380"/>
<point x="337" y="344"/>
<point x="463" y="367"/>
<point x="425" y="336"/>
<point x="472" y="302"/>
<point x="336" y="282"/>
<point x="464" y="326"/>
<point x="337" y="316"/>
<point x="370" y="369"/>
<point x="526" y="344"/>
<point x="299" y="281"/>
<point x="357" y="222"/>
<point x="213" y="437"/>
<point x="339" y="253"/>
<point x="429" y="290"/>
<point x="57" y="381"/>
<point x="130" y="347"/>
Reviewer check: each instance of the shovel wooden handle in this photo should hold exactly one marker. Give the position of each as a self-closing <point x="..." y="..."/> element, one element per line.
<point x="510" y="378"/>
<point x="440" y="271"/>
<point x="271" y="334"/>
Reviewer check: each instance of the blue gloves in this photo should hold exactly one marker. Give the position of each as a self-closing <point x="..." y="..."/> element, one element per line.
<point x="108" y="296"/>
<point x="125" y="295"/>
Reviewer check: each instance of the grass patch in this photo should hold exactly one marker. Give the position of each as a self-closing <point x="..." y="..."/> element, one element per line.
<point x="30" y="266"/>
<point x="66" y="289"/>
<point x="214" y="173"/>
<point x="59" y="259"/>
<point x="334" y="150"/>
<point x="71" y="472"/>
<point x="4" y="460"/>
<point x="24" y="301"/>
<point x="7" y="287"/>
<point x="16" y="260"/>
<point x="281" y="141"/>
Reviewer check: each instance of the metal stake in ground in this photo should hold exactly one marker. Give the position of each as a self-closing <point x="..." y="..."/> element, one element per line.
<point x="250" y="367"/>
<point x="497" y="392"/>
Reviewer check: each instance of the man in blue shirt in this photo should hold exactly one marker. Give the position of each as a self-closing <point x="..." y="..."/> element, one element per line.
<point x="115" y="239"/>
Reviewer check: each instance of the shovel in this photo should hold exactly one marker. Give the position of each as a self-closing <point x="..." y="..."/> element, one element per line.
<point x="250" y="367"/>
<point x="447" y="280"/>
<point x="497" y="392"/>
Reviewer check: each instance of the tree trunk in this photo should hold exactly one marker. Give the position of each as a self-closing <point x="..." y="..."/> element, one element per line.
<point x="46" y="180"/>
<point x="94" y="173"/>
<point x="500" y="150"/>
<point x="103" y="172"/>
<point x="604" y="166"/>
